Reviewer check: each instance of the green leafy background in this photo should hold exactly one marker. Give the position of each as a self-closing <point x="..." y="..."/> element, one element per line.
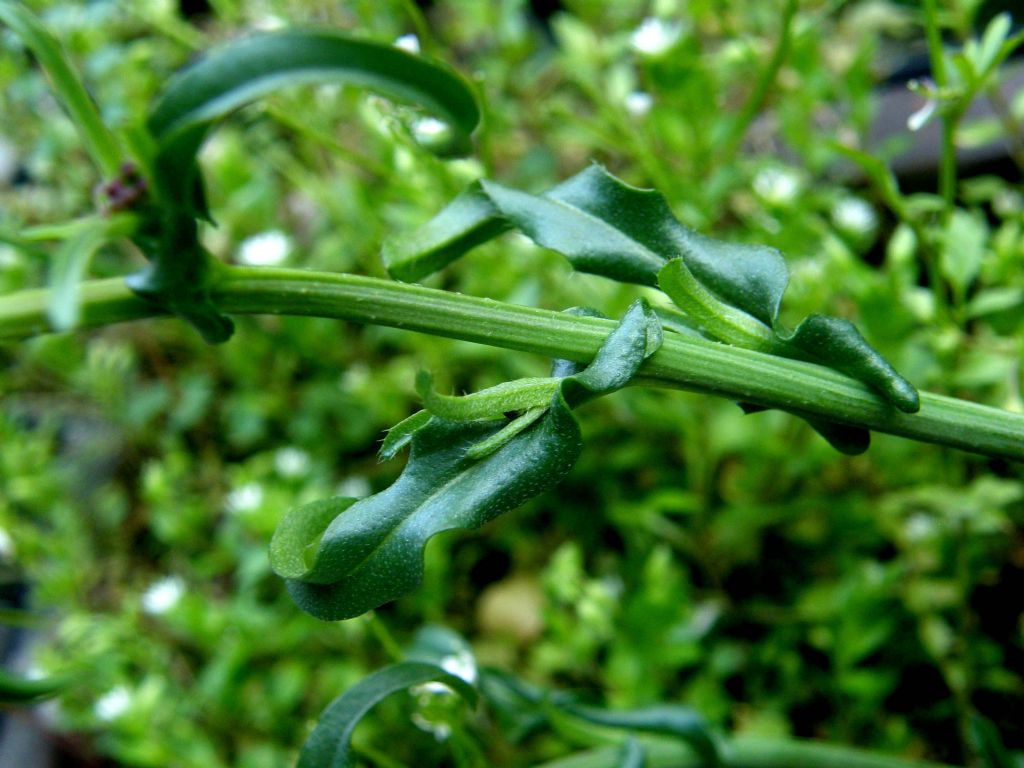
<point x="694" y="556"/>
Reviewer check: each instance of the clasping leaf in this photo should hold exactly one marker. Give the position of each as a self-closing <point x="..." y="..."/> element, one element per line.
<point x="343" y="557"/>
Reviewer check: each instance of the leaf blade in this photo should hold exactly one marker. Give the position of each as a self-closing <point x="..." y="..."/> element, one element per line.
<point x="328" y="746"/>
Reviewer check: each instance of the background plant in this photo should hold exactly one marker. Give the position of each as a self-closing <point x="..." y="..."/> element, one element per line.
<point x="738" y="565"/>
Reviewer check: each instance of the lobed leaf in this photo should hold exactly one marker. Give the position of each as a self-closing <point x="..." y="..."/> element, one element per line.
<point x="342" y="558"/>
<point x="603" y="226"/>
<point x="607" y="227"/>
<point x="329" y="745"/>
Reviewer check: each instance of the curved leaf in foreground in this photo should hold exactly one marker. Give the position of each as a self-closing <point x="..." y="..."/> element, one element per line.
<point x="182" y="272"/>
<point x="343" y="557"/>
<point x="243" y="70"/>
<point x="328" y="746"/>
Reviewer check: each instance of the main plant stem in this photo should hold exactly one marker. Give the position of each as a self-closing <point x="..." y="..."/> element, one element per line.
<point x="683" y="362"/>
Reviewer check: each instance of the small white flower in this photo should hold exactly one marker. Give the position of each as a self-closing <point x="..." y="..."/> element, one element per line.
<point x="6" y="545"/>
<point x="265" y="249"/>
<point x="638" y="103"/>
<point x="777" y="186"/>
<point x="163" y="595"/>
<point x="245" y="498"/>
<point x="851" y="214"/>
<point x="918" y="120"/>
<point x="291" y="462"/>
<point x="655" y="36"/>
<point x="926" y="89"/>
<point x="429" y="128"/>
<point x="409" y="43"/>
<point x="112" y="704"/>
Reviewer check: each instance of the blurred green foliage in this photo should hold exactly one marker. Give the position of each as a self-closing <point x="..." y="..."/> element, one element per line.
<point x="732" y="563"/>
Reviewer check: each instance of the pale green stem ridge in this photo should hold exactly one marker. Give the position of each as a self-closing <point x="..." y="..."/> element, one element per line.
<point x="682" y="362"/>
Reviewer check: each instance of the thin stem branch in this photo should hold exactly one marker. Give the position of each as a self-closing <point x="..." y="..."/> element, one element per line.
<point x="949" y="114"/>
<point x="99" y="141"/>
<point x="762" y="88"/>
<point x="683" y="362"/>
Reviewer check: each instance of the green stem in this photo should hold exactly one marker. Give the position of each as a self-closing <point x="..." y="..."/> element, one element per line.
<point x="949" y="115"/>
<point x="746" y="752"/>
<point x="99" y="141"/>
<point x="683" y="362"/>
<point x="759" y="96"/>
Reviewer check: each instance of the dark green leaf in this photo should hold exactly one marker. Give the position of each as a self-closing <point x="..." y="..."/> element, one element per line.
<point x="294" y="544"/>
<point x="19" y="690"/>
<point x="373" y="550"/>
<point x="328" y="746"/>
<point x="343" y="558"/>
<point x="838" y="344"/>
<point x="662" y="720"/>
<point x="180" y="274"/>
<point x="602" y="225"/>
<point x="466" y="222"/>
<point x="846" y="439"/>
<point x="182" y="271"/>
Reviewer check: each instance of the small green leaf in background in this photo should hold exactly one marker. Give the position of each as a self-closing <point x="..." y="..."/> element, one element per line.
<point x="966" y="239"/>
<point x="328" y="746"/>
<point x="460" y="474"/>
